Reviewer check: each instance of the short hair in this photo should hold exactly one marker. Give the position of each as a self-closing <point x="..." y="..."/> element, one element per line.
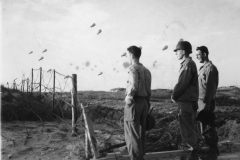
<point x="203" y="49"/>
<point x="136" y="51"/>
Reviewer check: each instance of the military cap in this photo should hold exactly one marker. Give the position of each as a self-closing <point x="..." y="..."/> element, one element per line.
<point x="184" y="45"/>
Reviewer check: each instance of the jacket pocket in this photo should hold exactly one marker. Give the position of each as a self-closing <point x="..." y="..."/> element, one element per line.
<point x="129" y="112"/>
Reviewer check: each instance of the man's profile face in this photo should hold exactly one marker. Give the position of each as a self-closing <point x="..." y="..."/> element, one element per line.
<point x="129" y="56"/>
<point x="200" y="56"/>
<point x="179" y="54"/>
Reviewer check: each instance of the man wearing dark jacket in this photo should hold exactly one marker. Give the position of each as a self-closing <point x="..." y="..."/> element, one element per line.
<point x="185" y="94"/>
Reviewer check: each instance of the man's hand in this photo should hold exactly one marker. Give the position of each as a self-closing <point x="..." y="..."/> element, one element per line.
<point x="128" y="100"/>
<point x="173" y="100"/>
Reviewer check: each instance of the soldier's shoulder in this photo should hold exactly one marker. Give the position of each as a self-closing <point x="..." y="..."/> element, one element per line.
<point x="191" y="63"/>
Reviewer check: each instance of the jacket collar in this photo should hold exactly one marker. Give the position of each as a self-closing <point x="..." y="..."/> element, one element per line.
<point x="184" y="62"/>
<point x="206" y="64"/>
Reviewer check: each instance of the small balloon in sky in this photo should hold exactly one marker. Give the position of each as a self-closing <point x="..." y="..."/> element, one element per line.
<point x="45" y="50"/>
<point x="30" y="52"/>
<point x="71" y="64"/>
<point x="124" y="54"/>
<point x="87" y="64"/>
<point x="93" y="25"/>
<point x="126" y="64"/>
<point x="113" y="68"/>
<point x="41" y="59"/>
<point x="76" y="67"/>
<point x="180" y="40"/>
<point x="100" y="73"/>
<point x="100" y="31"/>
<point x="165" y="47"/>
<point x="95" y="65"/>
<point x="154" y="64"/>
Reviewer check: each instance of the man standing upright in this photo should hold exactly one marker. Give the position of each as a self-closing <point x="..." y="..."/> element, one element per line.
<point x="208" y="82"/>
<point x="185" y="94"/>
<point x="137" y="100"/>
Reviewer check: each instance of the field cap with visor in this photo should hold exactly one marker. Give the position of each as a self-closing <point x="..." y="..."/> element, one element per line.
<point x="184" y="45"/>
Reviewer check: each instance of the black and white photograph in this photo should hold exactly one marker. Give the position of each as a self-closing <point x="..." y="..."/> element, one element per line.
<point x="120" y="79"/>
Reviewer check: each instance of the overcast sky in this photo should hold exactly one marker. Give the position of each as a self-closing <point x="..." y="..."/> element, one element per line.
<point x="73" y="47"/>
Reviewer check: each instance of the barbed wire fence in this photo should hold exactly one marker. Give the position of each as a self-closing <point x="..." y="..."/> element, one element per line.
<point x="54" y="86"/>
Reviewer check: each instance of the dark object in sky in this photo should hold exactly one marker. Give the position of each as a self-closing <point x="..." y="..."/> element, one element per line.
<point x="113" y="68"/>
<point x="154" y="64"/>
<point x="71" y="64"/>
<point x="100" y="31"/>
<point x="76" y="67"/>
<point x="41" y="59"/>
<point x="100" y="73"/>
<point x="30" y="52"/>
<point x="49" y="70"/>
<point x="165" y="47"/>
<point x="45" y="50"/>
<point x="124" y="54"/>
<point x="126" y="64"/>
<point x="87" y="64"/>
<point x="93" y="25"/>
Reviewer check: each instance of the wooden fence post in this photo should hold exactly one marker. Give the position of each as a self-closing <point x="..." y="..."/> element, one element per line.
<point x="23" y="83"/>
<point x="90" y="132"/>
<point x="40" y="83"/>
<point x="53" y="100"/>
<point x="27" y="84"/>
<point x="87" y="146"/>
<point x="74" y="104"/>
<point x="32" y="82"/>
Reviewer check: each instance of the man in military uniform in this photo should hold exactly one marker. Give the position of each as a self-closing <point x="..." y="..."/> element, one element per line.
<point x="185" y="94"/>
<point x="208" y="83"/>
<point x="137" y="100"/>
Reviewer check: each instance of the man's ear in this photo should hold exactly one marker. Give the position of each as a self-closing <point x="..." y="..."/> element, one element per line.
<point x="205" y="55"/>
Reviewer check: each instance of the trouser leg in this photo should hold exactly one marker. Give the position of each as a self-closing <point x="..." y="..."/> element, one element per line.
<point x="134" y="140"/>
<point x="134" y="128"/>
<point x="187" y="123"/>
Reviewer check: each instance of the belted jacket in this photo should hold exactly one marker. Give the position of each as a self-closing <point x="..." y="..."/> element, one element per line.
<point x="208" y="79"/>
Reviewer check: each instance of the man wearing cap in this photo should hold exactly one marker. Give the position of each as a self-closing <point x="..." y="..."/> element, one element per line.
<point x="137" y="100"/>
<point x="208" y="82"/>
<point x="185" y="94"/>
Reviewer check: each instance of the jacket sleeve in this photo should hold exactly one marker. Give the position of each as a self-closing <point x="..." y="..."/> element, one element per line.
<point x="211" y="84"/>
<point x="133" y="80"/>
<point x="183" y="81"/>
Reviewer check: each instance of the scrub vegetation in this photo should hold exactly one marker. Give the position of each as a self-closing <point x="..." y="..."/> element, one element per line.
<point x="30" y="129"/>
